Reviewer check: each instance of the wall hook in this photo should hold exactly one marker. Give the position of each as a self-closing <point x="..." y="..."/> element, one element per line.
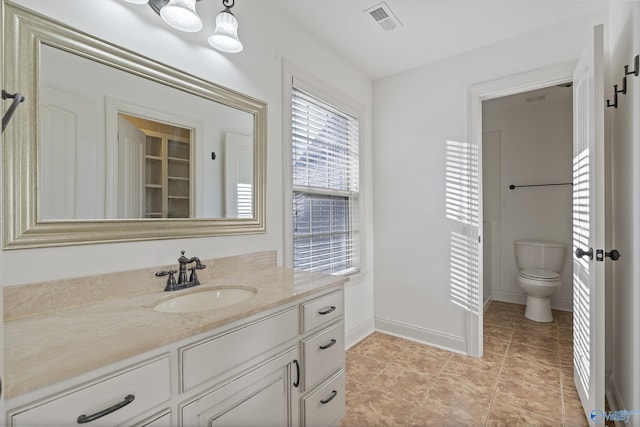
<point x="636" y="66"/>
<point x="614" y="104"/>
<point x="17" y="99"/>
<point x="624" y="86"/>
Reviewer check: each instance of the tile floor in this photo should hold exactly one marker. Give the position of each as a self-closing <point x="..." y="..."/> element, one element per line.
<point x="524" y="379"/>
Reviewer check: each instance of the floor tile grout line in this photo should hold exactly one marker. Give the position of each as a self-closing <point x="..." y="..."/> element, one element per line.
<point x="495" y="386"/>
<point x="558" y="366"/>
<point x="424" y="396"/>
<point x="516" y="334"/>
<point x="564" y="417"/>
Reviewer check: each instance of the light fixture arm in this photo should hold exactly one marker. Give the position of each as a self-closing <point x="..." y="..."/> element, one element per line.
<point x="228" y="3"/>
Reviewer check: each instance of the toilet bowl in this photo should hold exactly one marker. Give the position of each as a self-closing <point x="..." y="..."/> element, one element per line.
<point x="540" y="263"/>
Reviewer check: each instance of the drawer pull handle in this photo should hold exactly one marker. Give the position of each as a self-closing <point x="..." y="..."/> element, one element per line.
<point x="82" y="419"/>
<point x="326" y="346"/>
<point x="327" y="310"/>
<point x="297" y="381"/>
<point x="330" y="398"/>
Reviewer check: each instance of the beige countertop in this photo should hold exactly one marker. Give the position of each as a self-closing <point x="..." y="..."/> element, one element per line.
<point x="47" y="348"/>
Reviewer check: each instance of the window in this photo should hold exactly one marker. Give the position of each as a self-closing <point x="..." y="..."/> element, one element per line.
<point x="325" y="160"/>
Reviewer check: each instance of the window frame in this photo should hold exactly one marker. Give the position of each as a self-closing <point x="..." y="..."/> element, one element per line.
<point x="293" y="76"/>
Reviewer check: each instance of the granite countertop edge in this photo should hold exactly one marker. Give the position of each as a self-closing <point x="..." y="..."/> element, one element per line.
<point x="52" y="347"/>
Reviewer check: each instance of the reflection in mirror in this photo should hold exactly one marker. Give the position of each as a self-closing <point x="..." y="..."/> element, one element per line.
<point x="126" y="147"/>
<point x="66" y="178"/>
<point x="157" y="185"/>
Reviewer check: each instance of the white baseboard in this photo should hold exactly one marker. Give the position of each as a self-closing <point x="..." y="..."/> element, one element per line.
<point x="507" y="296"/>
<point x="358" y="333"/>
<point x="615" y="400"/>
<point x="562" y="304"/>
<point x="422" y="335"/>
<point x="520" y="298"/>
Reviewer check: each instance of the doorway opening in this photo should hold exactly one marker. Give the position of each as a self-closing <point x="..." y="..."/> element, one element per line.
<point x="527" y="152"/>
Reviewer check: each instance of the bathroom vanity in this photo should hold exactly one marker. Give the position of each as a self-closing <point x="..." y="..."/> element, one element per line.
<point x="276" y="359"/>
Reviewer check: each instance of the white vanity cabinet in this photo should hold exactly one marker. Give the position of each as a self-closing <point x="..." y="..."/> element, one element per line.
<point x="281" y="367"/>
<point x="261" y="397"/>
<point x="322" y="403"/>
<point x="248" y="369"/>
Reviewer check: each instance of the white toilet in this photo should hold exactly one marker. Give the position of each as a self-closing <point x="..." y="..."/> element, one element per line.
<point x="540" y="263"/>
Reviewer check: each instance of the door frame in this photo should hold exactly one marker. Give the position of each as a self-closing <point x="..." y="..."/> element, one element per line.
<point x="510" y="85"/>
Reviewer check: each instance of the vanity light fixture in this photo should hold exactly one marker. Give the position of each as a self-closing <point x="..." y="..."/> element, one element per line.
<point x="225" y="37"/>
<point x="182" y="15"/>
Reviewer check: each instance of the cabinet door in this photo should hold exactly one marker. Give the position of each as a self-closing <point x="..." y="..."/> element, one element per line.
<point x="261" y="397"/>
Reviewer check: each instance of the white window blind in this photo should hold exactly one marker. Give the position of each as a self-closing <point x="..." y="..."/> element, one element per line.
<point x="325" y="161"/>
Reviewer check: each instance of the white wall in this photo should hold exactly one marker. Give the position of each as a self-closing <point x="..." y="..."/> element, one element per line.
<point x="415" y="114"/>
<point x="625" y="131"/>
<point x="536" y="148"/>
<point x="268" y="38"/>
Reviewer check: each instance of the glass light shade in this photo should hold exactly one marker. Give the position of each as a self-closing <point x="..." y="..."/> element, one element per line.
<point x="182" y="15"/>
<point x="225" y="37"/>
<point x="137" y="1"/>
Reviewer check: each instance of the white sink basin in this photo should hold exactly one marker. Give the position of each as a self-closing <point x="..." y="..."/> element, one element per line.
<point x="209" y="299"/>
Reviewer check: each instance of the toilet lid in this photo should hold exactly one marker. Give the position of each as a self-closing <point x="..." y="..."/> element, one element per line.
<point x="539" y="274"/>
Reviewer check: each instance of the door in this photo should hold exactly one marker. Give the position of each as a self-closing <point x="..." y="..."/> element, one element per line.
<point x="238" y="173"/>
<point x="589" y="227"/>
<point x="131" y="149"/>
<point x="67" y="135"/>
<point x="265" y="396"/>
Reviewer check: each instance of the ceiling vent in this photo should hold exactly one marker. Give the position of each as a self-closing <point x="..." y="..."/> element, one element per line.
<point x="384" y="17"/>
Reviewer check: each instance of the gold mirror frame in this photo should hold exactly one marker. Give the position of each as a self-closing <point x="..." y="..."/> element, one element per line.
<point x="24" y="32"/>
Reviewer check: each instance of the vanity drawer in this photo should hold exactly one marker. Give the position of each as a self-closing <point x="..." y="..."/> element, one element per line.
<point x="162" y="419"/>
<point x="322" y="311"/>
<point x="326" y="405"/>
<point x="207" y="359"/>
<point x="149" y="385"/>
<point x="323" y="353"/>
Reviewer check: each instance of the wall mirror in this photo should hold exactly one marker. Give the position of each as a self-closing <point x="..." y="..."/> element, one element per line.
<point x="112" y="146"/>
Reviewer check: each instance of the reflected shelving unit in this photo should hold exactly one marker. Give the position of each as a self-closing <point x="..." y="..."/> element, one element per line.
<point x="167" y="175"/>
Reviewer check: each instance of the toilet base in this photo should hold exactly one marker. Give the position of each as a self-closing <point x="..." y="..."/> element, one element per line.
<point x="538" y="309"/>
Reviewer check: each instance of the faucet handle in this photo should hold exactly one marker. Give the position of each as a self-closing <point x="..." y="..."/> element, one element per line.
<point x="193" y="278"/>
<point x="171" y="281"/>
<point x="165" y="273"/>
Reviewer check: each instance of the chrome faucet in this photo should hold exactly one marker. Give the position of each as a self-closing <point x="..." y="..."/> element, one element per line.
<point x="183" y="282"/>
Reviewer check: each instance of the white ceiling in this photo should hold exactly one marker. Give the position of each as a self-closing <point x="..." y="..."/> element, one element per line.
<point x="431" y="29"/>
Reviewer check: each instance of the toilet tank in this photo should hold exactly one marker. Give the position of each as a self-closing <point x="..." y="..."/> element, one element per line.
<point x="546" y="255"/>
